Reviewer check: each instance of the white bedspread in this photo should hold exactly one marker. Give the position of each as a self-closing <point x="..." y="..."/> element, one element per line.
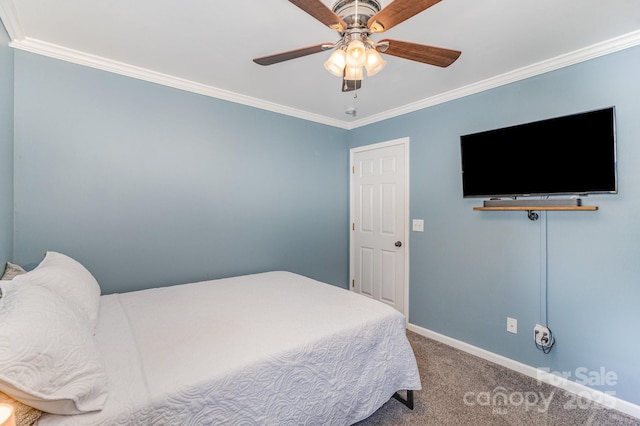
<point x="266" y="349"/>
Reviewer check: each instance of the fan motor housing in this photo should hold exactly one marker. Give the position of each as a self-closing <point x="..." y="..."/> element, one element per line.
<point x="356" y="13"/>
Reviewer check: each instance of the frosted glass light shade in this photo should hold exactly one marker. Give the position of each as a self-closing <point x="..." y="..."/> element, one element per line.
<point x="356" y="55"/>
<point x="7" y="416"/>
<point x="336" y="63"/>
<point x="351" y="73"/>
<point x="374" y="62"/>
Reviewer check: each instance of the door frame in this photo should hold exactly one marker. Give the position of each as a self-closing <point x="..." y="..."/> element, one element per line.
<point x="406" y="143"/>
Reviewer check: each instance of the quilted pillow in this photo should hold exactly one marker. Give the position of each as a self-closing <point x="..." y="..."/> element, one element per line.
<point x="11" y="271"/>
<point x="69" y="279"/>
<point x="48" y="358"/>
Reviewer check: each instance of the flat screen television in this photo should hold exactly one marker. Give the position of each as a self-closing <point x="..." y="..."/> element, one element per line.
<point x="570" y="155"/>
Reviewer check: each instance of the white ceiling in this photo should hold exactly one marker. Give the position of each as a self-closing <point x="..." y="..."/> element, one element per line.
<point x="207" y="47"/>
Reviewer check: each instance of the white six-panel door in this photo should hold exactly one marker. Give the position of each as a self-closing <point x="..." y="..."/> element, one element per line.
<point x="379" y="208"/>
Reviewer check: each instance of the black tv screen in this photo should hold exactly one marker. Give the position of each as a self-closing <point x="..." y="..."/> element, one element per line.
<point x="570" y="155"/>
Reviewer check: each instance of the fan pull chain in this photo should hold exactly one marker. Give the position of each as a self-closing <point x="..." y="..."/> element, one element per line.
<point x="355" y="92"/>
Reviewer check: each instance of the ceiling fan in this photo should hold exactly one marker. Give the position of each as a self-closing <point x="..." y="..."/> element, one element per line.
<point x="356" y="20"/>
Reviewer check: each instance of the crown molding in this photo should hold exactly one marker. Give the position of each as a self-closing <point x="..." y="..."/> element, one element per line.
<point x="600" y="49"/>
<point x="81" y="58"/>
<point x="19" y="41"/>
<point x="9" y="17"/>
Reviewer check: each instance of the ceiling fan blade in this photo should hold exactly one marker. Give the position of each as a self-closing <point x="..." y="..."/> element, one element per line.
<point x="292" y="54"/>
<point x="397" y="12"/>
<point x="322" y="13"/>
<point x="418" y="52"/>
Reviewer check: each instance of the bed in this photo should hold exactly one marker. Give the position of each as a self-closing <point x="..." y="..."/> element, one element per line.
<point x="272" y="348"/>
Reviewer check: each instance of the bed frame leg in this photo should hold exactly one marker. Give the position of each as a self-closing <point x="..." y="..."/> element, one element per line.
<point x="408" y="401"/>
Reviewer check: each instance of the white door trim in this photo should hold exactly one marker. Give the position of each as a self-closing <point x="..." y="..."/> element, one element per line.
<point x="352" y="218"/>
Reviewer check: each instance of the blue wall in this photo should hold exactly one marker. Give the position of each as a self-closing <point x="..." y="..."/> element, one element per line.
<point x="470" y="270"/>
<point x="6" y="149"/>
<point x="148" y="185"/>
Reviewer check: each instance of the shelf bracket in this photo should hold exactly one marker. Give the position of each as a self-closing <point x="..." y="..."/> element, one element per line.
<point x="532" y="215"/>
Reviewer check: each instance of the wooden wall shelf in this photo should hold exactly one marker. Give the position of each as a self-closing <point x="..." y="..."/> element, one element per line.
<point x="531" y="209"/>
<point x="539" y="208"/>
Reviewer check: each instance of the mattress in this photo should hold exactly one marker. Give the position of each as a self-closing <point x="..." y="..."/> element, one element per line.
<point x="268" y="349"/>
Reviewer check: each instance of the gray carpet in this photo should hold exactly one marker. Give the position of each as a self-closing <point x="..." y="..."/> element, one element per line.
<point x="462" y="389"/>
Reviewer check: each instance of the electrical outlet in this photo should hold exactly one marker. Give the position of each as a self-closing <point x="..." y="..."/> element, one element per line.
<point x="542" y="336"/>
<point x="418" y="225"/>
<point x="512" y="325"/>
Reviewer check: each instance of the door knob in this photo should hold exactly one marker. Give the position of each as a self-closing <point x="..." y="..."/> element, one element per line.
<point x="398" y="244"/>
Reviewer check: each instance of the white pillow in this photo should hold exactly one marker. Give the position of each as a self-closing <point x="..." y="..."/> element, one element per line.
<point x="69" y="279"/>
<point x="48" y="358"/>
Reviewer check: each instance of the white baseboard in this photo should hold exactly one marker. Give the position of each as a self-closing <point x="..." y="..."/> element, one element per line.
<point x="607" y="400"/>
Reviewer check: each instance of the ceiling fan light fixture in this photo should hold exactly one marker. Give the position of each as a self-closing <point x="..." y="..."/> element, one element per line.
<point x="353" y="73"/>
<point x="374" y="63"/>
<point x="356" y="20"/>
<point x="356" y="54"/>
<point x="336" y="63"/>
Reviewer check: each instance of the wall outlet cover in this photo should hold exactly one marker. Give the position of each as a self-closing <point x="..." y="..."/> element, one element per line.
<point x="542" y="336"/>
